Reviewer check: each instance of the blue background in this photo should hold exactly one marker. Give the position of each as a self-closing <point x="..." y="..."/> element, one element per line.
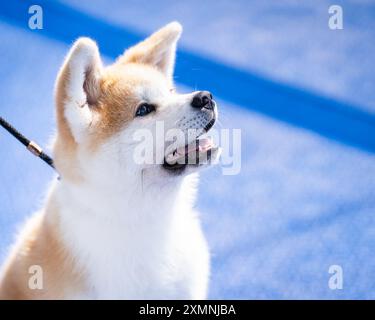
<point x="302" y="94"/>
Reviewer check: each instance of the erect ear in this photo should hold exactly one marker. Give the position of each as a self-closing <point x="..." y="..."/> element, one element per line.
<point x="78" y="88"/>
<point x="158" y="50"/>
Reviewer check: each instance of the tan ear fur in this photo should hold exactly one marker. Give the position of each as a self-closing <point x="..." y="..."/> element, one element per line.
<point x="158" y="50"/>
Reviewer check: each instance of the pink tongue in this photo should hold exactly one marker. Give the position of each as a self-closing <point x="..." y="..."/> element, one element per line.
<point x="204" y="145"/>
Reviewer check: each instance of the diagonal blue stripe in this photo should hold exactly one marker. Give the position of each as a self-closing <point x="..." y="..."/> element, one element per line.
<point x="333" y="119"/>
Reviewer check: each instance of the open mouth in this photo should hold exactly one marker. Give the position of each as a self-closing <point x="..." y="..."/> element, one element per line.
<point x="195" y="153"/>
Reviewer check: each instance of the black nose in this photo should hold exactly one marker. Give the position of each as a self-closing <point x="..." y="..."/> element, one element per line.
<point x="203" y="99"/>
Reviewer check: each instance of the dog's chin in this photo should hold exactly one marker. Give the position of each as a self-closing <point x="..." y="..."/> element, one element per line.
<point x="192" y="157"/>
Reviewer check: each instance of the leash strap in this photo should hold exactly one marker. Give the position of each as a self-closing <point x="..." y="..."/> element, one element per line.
<point x="33" y="147"/>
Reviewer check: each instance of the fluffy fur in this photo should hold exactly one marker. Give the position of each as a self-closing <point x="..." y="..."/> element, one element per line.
<point x="112" y="228"/>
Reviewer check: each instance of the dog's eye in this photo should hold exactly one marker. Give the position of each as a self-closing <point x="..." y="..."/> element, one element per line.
<point x="144" y="109"/>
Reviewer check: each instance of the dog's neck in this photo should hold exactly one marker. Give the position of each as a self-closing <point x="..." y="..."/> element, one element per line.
<point x="127" y="199"/>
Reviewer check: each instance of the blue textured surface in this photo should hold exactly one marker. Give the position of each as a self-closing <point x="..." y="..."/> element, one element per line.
<point x="304" y="200"/>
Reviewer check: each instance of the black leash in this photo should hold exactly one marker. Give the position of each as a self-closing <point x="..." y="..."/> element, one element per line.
<point x="33" y="147"/>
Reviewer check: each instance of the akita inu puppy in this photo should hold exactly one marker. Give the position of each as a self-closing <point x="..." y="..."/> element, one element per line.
<point x="114" y="227"/>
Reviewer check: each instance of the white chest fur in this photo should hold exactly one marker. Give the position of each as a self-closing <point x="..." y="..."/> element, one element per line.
<point x="135" y="248"/>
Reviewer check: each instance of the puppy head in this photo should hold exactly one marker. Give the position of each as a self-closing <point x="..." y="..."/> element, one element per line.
<point x="102" y="112"/>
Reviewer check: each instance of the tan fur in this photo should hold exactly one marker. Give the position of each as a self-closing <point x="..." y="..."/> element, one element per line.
<point x="116" y="101"/>
<point x="117" y="105"/>
<point x="149" y="50"/>
<point x="40" y="244"/>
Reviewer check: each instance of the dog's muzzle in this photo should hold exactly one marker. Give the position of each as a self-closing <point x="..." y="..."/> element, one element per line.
<point x="201" y="149"/>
